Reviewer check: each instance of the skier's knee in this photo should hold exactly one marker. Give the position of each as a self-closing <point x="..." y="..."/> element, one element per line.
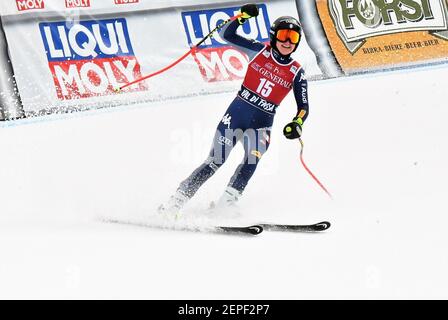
<point x="214" y="162"/>
<point x="254" y="156"/>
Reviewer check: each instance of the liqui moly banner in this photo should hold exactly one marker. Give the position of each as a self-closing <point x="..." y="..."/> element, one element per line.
<point x="216" y="59"/>
<point x="89" y="58"/>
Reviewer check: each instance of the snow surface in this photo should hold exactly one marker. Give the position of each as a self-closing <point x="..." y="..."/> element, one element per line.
<point x="377" y="142"/>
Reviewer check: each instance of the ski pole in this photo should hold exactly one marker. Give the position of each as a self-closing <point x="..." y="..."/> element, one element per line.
<point x="309" y="171"/>
<point x="192" y="49"/>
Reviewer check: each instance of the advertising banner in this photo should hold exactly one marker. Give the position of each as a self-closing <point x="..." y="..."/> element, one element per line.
<point x="89" y="58"/>
<point x="77" y="61"/>
<point x="379" y="34"/>
<point x="216" y="59"/>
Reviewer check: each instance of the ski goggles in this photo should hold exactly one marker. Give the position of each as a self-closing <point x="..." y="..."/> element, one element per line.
<point x="285" y="34"/>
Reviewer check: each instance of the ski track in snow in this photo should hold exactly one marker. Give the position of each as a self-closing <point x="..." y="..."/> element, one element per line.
<point x="377" y="142"/>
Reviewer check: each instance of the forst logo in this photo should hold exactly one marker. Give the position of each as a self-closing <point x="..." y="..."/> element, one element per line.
<point x="90" y="58"/>
<point x="216" y="59"/>
<point x="23" y="5"/>
<point x="356" y="20"/>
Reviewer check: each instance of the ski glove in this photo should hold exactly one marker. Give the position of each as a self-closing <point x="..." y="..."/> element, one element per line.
<point x="293" y="130"/>
<point x="248" y="11"/>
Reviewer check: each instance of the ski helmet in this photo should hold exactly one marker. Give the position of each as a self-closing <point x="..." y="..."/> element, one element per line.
<point x="284" y="22"/>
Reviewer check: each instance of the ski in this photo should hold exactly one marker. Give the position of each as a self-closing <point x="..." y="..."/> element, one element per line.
<point x="248" y="230"/>
<point x="253" y="230"/>
<point x="321" y="226"/>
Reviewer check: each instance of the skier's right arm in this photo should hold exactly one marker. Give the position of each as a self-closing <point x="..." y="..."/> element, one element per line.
<point x="228" y="32"/>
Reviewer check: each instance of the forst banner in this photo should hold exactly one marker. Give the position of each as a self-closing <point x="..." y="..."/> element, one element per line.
<point x="380" y="34"/>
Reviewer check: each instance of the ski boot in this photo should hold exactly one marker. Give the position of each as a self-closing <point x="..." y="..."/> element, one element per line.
<point x="226" y="206"/>
<point x="171" y="209"/>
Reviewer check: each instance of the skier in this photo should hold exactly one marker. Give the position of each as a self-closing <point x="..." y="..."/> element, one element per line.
<point x="270" y="75"/>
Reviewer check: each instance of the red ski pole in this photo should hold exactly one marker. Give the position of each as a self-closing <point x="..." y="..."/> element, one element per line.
<point x="309" y="171"/>
<point x="155" y="73"/>
<point x="192" y="49"/>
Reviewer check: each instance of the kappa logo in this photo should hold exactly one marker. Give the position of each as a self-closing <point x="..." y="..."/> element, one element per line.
<point x="357" y="20"/>
<point x="226" y="120"/>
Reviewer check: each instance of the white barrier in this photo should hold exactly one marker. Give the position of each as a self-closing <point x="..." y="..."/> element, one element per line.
<point x="74" y="60"/>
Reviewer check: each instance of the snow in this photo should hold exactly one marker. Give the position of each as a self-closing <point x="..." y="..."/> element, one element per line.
<point x="377" y="142"/>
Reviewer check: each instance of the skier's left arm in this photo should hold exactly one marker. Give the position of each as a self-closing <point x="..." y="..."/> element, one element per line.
<point x="293" y="129"/>
<point x="251" y="47"/>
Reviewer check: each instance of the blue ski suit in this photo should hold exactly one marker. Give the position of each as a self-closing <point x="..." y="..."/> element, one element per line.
<point x="244" y="122"/>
